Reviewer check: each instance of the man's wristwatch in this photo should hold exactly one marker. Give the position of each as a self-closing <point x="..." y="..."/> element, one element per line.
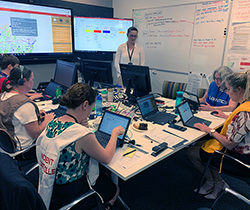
<point x="211" y="132"/>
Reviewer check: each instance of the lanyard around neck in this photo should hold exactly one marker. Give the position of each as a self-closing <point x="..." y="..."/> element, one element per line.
<point x="217" y="97"/>
<point x="72" y="117"/>
<point x="130" y="55"/>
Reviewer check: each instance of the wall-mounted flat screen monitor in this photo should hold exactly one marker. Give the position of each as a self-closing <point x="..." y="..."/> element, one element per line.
<point x="28" y="30"/>
<point x="94" y="34"/>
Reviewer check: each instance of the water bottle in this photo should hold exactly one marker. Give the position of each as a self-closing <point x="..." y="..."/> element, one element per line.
<point x="58" y="92"/>
<point x="110" y="94"/>
<point x="179" y="95"/>
<point x="99" y="105"/>
<point x="119" y="87"/>
<point x="104" y="95"/>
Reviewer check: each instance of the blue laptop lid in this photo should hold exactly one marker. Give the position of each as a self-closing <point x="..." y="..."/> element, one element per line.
<point x="51" y="89"/>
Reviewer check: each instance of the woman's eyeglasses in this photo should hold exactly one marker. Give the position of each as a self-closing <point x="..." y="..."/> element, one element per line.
<point x="217" y="78"/>
<point x="131" y="35"/>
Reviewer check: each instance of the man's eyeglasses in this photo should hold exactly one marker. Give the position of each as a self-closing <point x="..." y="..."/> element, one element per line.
<point x="131" y="35"/>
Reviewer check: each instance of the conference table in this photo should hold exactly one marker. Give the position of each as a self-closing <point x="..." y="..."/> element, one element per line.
<point x="188" y="137"/>
<point x="143" y="160"/>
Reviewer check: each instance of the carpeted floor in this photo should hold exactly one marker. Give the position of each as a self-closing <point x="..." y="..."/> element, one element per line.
<point x="170" y="184"/>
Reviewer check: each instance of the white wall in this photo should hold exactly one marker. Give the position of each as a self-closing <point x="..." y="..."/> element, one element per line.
<point x="103" y="3"/>
<point x="123" y="9"/>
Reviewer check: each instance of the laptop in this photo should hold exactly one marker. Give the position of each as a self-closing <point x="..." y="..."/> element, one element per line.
<point x="187" y="117"/>
<point x="50" y="91"/>
<point x="109" y="121"/>
<point x="192" y="99"/>
<point x="60" y="111"/>
<point x="150" y="112"/>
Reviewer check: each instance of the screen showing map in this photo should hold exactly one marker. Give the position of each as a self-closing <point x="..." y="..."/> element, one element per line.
<point x="27" y="29"/>
<point x="100" y="34"/>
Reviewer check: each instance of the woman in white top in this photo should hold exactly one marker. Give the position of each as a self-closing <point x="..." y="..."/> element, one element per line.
<point x="129" y="53"/>
<point x="24" y="125"/>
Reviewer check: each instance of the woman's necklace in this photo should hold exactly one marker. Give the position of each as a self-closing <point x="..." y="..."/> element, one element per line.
<point x="72" y="117"/>
<point x="16" y="90"/>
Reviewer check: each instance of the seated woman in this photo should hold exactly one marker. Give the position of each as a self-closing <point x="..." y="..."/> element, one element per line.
<point x="215" y="98"/>
<point x="19" y="115"/>
<point x="64" y="150"/>
<point x="234" y="137"/>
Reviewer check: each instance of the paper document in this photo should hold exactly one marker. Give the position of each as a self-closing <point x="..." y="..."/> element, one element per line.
<point x="127" y="162"/>
<point x="194" y="82"/>
<point x="160" y="136"/>
<point x="47" y="107"/>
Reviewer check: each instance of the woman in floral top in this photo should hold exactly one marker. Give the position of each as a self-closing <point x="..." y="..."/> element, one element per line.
<point x="234" y="137"/>
<point x="69" y="175"/>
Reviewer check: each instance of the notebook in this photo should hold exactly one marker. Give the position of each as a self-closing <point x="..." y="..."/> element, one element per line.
<point x="109" y="121"/>
<point x="150" y="112"/>
<point x="187" y="117"/>
<point x="192" y="99"/>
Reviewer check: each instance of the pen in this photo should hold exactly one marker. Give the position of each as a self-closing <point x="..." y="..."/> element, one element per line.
<point x="129" y="152"/>
<point x="139" y="149"/>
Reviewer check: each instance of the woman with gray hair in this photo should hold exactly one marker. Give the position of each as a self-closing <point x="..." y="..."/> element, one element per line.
<point x="216" y="97"/>
<point x="233" y="139"/>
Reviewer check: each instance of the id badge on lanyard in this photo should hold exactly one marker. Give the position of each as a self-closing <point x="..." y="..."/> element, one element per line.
<point x="130" y="55"/>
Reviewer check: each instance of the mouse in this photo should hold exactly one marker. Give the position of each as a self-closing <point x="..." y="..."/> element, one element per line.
<point x="214" y="112"/>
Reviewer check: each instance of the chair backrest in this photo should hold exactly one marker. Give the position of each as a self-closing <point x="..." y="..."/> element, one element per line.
<point x="201" y="92"/>
<point x="16" y="191"/>
<point x="6" y="142"/>
<point x="169" y="88"/>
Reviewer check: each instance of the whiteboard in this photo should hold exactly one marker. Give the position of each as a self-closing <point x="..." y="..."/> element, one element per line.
<point x="184" y="37"/>
<point x="237" y="54"/>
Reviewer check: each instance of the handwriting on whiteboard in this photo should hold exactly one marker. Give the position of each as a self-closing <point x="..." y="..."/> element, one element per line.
<point x="241" y="11"/>
<point x="211" y="12"/>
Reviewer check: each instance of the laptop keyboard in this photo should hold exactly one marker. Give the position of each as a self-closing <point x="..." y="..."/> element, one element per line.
<point x="161" y="118"/>
<point x="194" y="120"/>
<point x="103" y="139"/>
<point x="58" y="112"/>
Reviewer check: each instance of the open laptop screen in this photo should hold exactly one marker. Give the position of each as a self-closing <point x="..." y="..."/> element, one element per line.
<point x="185" y="112"/>
<point x="192" y="99"/>
<point x="147" y="104"/>
<point x="111" y="120"/>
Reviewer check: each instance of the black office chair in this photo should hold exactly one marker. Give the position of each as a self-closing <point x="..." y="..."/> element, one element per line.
<point x="8" y="146"/>
<point x="17" y="192"/>
<point x="231" y="191"/>
<point x="24" y="183"/>
<point x="232" y="162"/>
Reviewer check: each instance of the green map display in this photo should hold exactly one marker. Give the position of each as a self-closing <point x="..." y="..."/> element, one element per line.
<point x="17" y="44"/>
